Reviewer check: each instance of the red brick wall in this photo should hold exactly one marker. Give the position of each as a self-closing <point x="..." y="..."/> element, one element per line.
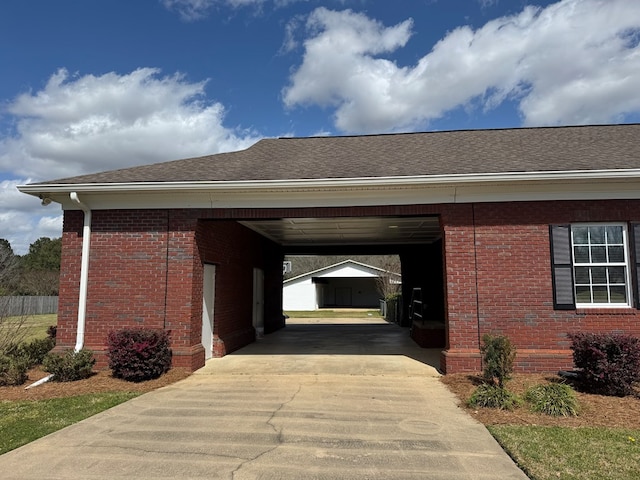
<point x="146" y="270"/>
<point x="236" y="251"/>
<point x="131" y="265"/>
<point x="461" y="301"/>
<point x="515" y="296"/>
<point x="69" y="279"/>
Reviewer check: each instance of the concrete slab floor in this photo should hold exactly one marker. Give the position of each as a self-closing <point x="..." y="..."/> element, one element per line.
<point x="320" y="399"/>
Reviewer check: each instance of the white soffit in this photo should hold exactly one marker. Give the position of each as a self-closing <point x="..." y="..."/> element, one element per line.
<point x="345" y="231"/>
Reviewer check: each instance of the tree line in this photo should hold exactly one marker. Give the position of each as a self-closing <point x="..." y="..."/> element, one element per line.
<point x="35" y="273"/>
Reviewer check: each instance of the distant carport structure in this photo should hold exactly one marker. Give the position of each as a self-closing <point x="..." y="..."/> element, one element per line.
<point x="345" y="284"/>
<point x="196" y="246"/>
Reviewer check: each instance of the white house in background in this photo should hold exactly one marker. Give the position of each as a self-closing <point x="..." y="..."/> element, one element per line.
<point x="345" y="284"/>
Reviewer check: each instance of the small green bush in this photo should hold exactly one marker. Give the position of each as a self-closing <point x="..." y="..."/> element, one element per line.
<point x="69" y="366"/>
<point x="136" y="355"/>
<point x="13" y="370"/>
<point x="494" y="396"/>
<point x="555" y="399"/>
<point x="498" y="355"/>
<point x="34" y="351"/>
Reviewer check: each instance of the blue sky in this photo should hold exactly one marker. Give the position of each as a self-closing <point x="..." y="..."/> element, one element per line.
<point x="88" y="86"/>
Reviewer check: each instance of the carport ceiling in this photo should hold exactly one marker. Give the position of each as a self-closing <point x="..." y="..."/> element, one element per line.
<point x="348" y="231"/>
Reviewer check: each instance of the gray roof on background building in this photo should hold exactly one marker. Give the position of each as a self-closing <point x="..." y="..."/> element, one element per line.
<point x="464" y="152"/>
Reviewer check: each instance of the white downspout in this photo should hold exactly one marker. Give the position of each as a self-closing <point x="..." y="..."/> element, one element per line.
<point x="84" y="279"/>
<point x="84" y="271"/>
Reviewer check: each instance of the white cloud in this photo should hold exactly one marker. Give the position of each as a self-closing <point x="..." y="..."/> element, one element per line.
<point x="574" y="62"/>
<point x="92" y="123"/>
<point x="192" y="10"/>
<point x="22" y="220"/>
<point x="78" y="124"/>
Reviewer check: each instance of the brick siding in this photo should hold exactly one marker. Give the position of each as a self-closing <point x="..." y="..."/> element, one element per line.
<point x="146" y="270"/>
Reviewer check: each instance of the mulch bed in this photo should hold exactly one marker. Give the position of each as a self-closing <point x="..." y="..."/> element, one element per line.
<point x="595" y="410"/>
<point x="101" y="381"/>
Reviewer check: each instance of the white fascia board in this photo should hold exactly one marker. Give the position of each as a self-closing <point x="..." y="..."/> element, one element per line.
<point x="518" y="186"/>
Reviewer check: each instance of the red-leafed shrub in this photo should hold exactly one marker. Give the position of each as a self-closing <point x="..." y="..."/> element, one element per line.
<point x="607" y="364"/>
<point x="138" y="354"/>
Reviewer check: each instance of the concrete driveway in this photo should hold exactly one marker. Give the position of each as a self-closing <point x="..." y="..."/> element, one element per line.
<point x="355" y="399"/>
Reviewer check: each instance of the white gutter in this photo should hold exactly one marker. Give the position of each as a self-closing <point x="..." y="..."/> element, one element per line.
<point x="458" y="179"/>
<point x="84" y="271"/>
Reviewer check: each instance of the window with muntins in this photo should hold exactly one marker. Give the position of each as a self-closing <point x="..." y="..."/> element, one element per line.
<point x="601" y="271"/>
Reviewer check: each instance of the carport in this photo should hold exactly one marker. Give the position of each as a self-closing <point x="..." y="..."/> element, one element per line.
<point x="195" y="246"/>
<point x="417" y="241"/>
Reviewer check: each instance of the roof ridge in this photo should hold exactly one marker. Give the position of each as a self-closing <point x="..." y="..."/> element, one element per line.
<point x="462" y="130"/>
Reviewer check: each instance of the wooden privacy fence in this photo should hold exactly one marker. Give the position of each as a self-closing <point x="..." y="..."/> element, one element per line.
<point x="13" y="306"/>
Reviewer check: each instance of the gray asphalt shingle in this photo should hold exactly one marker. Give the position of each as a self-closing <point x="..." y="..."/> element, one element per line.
<point x="601" y="147"/>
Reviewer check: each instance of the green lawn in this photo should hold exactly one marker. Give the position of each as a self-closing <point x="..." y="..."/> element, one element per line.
<point x="572" y="453"/>
<point x="22" y="422"/>
<point x="38" y="324"/>
<point x="23" y="329"/>
<point x="328" y="313"/>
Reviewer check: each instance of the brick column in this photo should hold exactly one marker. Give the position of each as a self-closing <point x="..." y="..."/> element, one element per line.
<point x="462" y="352"/>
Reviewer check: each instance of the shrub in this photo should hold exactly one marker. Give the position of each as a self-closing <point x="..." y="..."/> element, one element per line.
<point x="70" y="366"/>
<point x="13" y="371"/>
<point x="498" y="355"/>
<point x="52" y="331"/>
<point x="138" y="354"/>
<point x="607" y="364"/>
<point x="556" y="399"/>
<point x="34" y="351"/>
<point x="494" y="396"/>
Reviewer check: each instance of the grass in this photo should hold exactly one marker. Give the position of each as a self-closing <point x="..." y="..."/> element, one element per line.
<point x="22" y="422"/>
<point x="572" y="453"/>
<point x="38" y="324"/>
<point x="328" y="313"/>
<point x="32" y="326"/>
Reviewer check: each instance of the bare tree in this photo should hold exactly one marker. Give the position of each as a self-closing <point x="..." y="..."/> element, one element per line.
<point x="39" y="282"/>
<point x="13" y="329"/>
<point x="389" y="282"/>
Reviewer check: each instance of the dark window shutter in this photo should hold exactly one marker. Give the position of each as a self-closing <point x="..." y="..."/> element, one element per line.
<point x="562" y="267"/>
<point x="635" y="262"/>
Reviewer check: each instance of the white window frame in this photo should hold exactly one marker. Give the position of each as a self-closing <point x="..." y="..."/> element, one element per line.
<point x="626" y="264"/>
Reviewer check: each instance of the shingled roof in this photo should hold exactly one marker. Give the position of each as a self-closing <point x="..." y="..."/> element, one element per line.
<point x="547" y="149"/>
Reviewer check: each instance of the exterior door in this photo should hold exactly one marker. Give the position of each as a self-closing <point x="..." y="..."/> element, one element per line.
<point x="258" y="301"/>
<point x="208" y="298"/>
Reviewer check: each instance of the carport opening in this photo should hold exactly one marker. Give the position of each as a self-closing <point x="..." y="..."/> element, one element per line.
<point x="246" y="262"/>
<point x="408" y="245"/>
<point x="360" y="286"/>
